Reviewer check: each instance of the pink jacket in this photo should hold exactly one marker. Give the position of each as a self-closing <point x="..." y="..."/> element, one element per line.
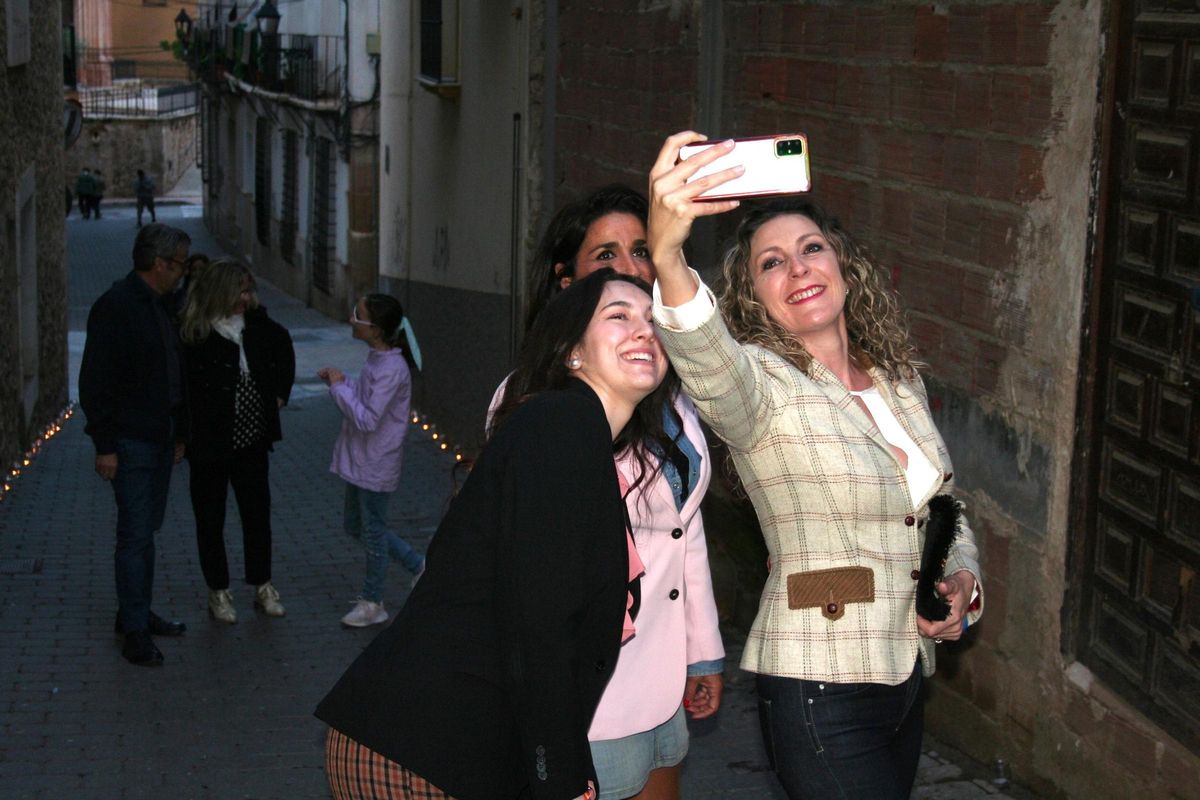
<point x="647" y="686"/>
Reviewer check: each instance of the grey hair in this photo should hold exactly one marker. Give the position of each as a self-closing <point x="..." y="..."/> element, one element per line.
<point x="157" y="241"/>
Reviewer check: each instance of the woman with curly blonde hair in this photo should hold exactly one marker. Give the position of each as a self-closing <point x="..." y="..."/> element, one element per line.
<point x="810" y="380"/>
<point x="877" y="332"/>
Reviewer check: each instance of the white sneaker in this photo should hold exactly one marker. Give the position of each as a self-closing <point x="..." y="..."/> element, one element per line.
<point x="266" y="599"/>
<point x="220" y="606"/>
<point x="365" y="613"/>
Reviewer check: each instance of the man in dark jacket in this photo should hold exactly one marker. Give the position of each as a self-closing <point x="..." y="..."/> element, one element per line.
<point x="131" y="389"/>
<point x="85" y="186"/>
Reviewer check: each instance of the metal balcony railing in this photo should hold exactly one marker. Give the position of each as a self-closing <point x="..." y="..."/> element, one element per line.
<point x="303" y="66"/>
<point x="138" y="101"/>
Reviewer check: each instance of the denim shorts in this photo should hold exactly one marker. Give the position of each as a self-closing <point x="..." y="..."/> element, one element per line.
<point x="623" y="765"/>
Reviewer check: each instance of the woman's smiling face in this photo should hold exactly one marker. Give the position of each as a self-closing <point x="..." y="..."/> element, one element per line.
<point x="796" y="275"/>
<point x="619" y="355"/>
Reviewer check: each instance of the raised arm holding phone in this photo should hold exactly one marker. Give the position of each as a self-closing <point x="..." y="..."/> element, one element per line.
<point x="808" y="374"/>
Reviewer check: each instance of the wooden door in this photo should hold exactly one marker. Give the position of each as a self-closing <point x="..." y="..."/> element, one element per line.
<point x="1139" y="626"/>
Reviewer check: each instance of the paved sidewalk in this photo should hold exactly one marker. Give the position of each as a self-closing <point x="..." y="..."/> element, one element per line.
<point x="229" y="715"/>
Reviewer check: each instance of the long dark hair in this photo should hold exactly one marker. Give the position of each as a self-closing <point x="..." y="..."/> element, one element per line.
<point x="388" y="315"/>
<point x="542" y="366"/>
<point x="564" y="236"/>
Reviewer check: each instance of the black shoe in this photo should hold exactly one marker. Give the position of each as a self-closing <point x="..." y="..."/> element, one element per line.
<point x="156" y="626"/>
<point x="140" y="649"/>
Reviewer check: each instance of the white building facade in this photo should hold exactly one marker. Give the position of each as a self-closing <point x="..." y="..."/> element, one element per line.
<point x="289" y="133"/>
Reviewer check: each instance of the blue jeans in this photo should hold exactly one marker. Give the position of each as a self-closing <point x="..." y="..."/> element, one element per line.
<point x="842" y="741"/>
<point x="366" y="517"/>
<point x="140" y="485"/>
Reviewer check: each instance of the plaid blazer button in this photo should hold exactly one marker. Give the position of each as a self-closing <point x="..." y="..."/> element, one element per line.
<point x="832" y="608"/>
<point x="910" y="520"/>
<point x="915" y="574"/>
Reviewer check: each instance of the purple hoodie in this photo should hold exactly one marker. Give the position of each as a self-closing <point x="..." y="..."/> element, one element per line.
<point x="370" y="447"/>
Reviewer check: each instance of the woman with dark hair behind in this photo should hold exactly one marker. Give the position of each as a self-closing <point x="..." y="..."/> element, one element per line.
<point x="605" y="228"/>
<point x="808" y="374"/>
<point x="370" y="448"/>
<point x="639" y="735"/>
<point x="240" y="368"/>
<point x="484" y="687"/>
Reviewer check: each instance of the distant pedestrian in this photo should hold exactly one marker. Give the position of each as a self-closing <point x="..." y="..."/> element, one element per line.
<point x="98" y="187"/>
<point x="369" y="449"/>
<point x="240" y="367"/>
<point x="85" y="187"/>
<point x="131" y="389"/>
<point x="143" y="190"/>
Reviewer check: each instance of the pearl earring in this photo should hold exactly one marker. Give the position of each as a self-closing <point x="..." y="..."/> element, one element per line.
<point x="574" y="363"/>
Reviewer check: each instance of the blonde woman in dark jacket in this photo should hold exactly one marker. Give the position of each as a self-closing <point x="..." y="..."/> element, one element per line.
<point x="240" y="368"/>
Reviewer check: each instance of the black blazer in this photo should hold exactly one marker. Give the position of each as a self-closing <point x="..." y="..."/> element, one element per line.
<point x="123" y="377"/>
<point x="213" y="368"/>
<point x="486" y="683"/>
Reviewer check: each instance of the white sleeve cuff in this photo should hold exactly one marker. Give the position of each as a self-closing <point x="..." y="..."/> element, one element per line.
<point x="689" y="316"/>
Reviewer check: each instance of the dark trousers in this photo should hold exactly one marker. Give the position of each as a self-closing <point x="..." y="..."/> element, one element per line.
<point x="842" y="741"/>
<point x="247" y="472"/>
<point x="145" y="203"/>
<point x="140" y="486"/>
<point x="85" y="205"/>
<point x="94" y="203"/>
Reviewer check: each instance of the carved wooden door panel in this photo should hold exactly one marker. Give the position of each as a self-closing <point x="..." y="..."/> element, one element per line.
<point x="1140" y="620"/>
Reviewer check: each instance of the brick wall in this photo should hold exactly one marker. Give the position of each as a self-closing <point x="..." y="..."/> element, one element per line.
<point x="957" y="140"/>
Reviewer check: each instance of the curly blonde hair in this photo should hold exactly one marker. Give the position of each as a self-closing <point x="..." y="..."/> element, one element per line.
<point x="877" y="331"/>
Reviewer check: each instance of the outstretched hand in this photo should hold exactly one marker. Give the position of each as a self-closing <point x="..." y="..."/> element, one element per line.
<point x="331" y="375"/>
<point x="673" y="209"/>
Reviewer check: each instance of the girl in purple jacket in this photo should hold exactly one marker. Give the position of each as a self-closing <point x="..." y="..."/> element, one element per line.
<point x="369" y="448"/>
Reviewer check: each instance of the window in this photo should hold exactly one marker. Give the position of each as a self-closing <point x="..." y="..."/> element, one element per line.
<point x="27" y="290"/>
<point x="439" y="47"/>
<point x="288" y="215"/>
<point x="18" y="33"/>
<point x="262" y="180"/>
<point x="324" y="213"/>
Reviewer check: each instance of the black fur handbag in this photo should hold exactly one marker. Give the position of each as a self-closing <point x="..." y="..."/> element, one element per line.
<point x="940" y="530"/>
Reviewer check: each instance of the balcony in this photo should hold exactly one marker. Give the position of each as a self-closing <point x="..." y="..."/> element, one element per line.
<point x="301" y="66"/>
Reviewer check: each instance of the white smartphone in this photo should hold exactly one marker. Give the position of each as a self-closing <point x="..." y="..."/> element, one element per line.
<point x="774" y="165"/>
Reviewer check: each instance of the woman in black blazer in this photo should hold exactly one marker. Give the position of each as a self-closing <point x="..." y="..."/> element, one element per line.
<point x="240" y="369"/>
<point x="485" y="685"/>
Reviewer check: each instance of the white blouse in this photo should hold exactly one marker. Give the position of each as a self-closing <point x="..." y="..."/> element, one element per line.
<point x="920" y="472"/>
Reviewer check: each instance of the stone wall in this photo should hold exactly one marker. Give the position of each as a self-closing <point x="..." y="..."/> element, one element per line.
<point x="31" y="146"/>
<point x="959" y="141"/>
<point x="163" y="147"/>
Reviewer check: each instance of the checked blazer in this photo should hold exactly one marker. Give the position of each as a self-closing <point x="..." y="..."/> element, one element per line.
<point x="829" y="494"/>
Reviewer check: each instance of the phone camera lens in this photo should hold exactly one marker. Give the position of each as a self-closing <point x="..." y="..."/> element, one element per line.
<point x="789" y="147"/>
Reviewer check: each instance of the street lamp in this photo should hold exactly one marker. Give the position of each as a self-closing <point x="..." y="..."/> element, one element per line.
<point x="183" y="25"/>
<point x="268" y="18"/>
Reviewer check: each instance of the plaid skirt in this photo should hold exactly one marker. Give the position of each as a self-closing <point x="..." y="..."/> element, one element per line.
<point x="358" y="773"/>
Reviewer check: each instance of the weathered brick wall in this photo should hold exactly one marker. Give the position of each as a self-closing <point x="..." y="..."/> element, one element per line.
<point x="958" y="141"/>
<point x="626" y="78"/>
<point x="31" y="134"/>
